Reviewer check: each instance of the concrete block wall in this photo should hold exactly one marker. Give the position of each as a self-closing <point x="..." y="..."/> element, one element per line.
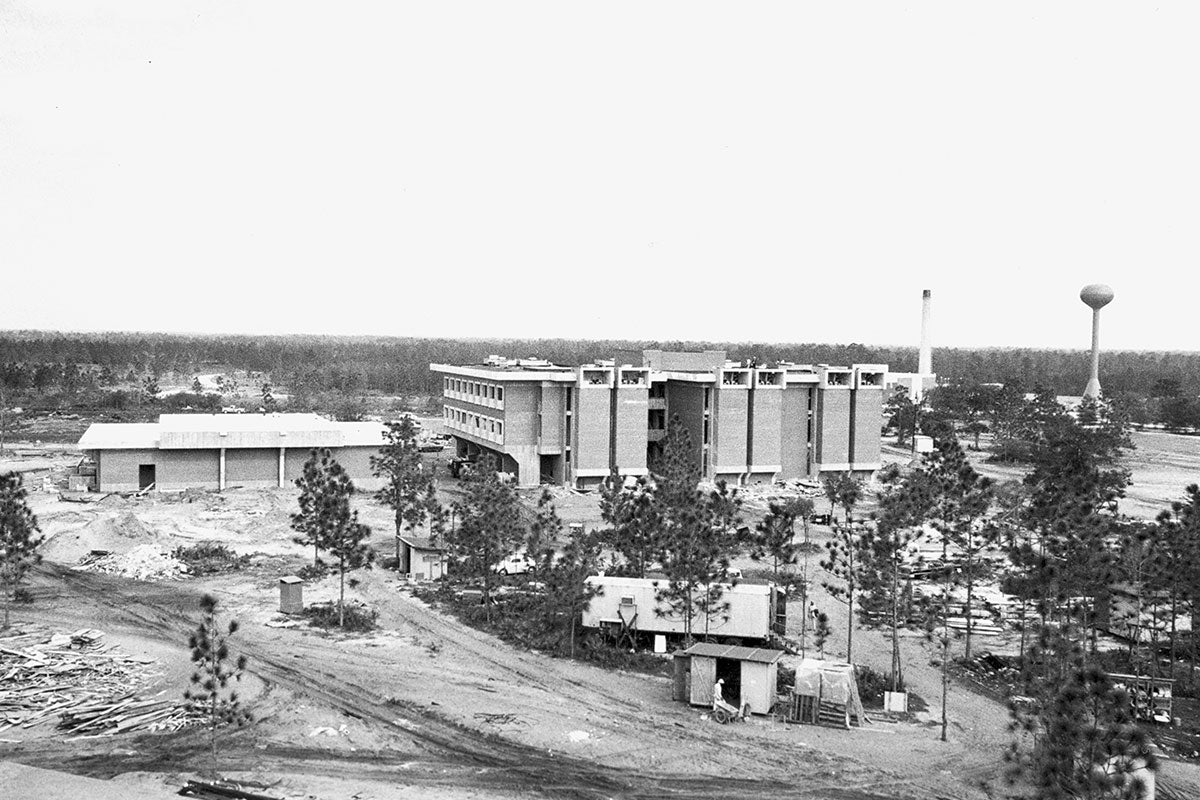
<point x="252" y="467"/>
<point x="117" y="470"/>
<point x="730" y="425"/>
<point x="832" y="429"/>
<point x="592" y="431"/>
<point x="632" y="404"/>
<point x="868" y="416"/>
<point x="793" y="434"/>
<point x="185" y="469"/>
<point x="766" y="444"/>
<point x="553" y="408"/>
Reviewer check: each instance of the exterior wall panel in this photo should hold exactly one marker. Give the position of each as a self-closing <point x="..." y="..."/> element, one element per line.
<point x="868" y="415"/>
<point x="186" y="469"/>
<point x="552" y="419"/>
<point x="730" y="430"/>
<point x="117" y="470"/>
<point x="593" y="428"/>
<point x="632" y="406"/>
<point x="767" y="434"/>
<point x="833" y="428"/>
<point x="253" y="468"/>
<point x="794" y="432"/>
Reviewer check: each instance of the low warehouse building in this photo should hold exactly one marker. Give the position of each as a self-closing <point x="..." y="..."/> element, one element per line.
<point x="220" y="451"/>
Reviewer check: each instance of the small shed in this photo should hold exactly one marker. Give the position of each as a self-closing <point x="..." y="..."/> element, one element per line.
<point x="749" y="673"/>
<point x="291" y="595"/>
<point x="420" y="558"/>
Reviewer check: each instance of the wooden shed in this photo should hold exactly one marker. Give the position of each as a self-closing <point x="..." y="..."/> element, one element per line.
<point x="749" y="674"/>
<point x="421" y="559"/>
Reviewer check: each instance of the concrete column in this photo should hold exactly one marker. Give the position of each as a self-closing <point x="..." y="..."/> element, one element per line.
<point x="925" y="355"/>
<point x="221" y="472"/>
<point x="282" y="450"/>
<point x="1093" y="385"/>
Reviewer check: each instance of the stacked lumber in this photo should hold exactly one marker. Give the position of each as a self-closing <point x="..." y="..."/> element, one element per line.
<point x="80" y="681"/>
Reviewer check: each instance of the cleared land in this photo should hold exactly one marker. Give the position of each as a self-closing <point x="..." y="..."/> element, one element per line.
<point x="427" y="705"/>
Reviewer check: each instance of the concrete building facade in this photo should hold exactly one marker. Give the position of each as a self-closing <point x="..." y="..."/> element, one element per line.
<point x="219" y="451"/>
<point x="748" y="423"/>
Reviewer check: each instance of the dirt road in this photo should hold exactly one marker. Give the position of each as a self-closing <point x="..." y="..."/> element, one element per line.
<point x="409" y="714"/>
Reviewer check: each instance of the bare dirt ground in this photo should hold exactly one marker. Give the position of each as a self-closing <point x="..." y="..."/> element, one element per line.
<point x="429" y="706"/>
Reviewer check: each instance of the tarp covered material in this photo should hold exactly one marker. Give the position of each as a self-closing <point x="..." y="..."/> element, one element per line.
<point x="831" y="682"/>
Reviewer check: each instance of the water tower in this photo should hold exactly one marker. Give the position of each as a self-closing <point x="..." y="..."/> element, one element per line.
<point x="1096" y="296"/>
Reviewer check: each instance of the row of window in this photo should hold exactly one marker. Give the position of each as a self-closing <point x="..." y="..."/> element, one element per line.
<point x="475" y="389"/>
<point x="473" y="423"/>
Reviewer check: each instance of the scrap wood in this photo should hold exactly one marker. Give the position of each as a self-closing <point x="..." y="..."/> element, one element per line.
<point x="215" y="791"/>
<point x="499" y="719"/>
<point x="83" y="684"/>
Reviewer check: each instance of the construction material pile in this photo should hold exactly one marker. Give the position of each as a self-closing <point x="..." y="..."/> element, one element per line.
<point x="80" y="681"/>
<point x="146" y="562"/>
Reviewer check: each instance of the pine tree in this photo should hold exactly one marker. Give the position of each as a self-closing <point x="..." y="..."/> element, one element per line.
<point x="842" y="562"/>
<point x="633" y="514"/>
<point x="1073" y="731"/>
<point x="19" y="538"/>
<point x="409" y="488"/>
<point x="268" y="399"/>
<point x="490" y="526"/>
<point x="211" y="693"/>
<point x="197" y="387"/>
<point x="821" y="630"/>
<point x="326" y="520"/>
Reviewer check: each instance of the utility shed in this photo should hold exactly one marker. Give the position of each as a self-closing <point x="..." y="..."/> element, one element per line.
<point x="749" y="674"/>
<point x="219" y="451"/>
<point x="420" y="558"/>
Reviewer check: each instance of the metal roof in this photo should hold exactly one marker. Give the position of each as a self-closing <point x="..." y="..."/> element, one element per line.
<point x="120" y="436"/>
<point x="208" y="431"/>
<point x="708" y="650"/>
<point x="419" y="542"/>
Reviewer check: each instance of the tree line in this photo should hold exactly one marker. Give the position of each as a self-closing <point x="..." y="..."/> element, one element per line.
<point x="43" y="361"/>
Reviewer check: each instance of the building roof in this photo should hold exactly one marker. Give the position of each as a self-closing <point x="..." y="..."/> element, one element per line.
<point x="762" y="655"/>
<point x="211" y="431"/>
<point x="120" y="436"/>
<point x="419" y="542"/>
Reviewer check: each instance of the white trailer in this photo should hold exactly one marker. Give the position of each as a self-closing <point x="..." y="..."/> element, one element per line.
<point x="755" y="609"/>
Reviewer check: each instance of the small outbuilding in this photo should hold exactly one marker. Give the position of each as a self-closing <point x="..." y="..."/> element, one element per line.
<point x="749" y="672"/>
<point x="420" y="558"/>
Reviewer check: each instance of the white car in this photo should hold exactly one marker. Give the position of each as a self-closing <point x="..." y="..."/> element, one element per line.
<point x="516" y="564"/>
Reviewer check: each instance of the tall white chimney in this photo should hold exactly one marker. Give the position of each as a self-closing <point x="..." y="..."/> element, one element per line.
<point x="925" y="360"/>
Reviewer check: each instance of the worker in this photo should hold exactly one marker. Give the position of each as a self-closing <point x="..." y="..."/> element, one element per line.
<point x="719" y="699"/>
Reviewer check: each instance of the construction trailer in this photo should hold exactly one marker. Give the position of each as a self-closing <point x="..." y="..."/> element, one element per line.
<point x="750" y="674"/>
<point x="420" y="558"/>
<point x="631" y="608"/>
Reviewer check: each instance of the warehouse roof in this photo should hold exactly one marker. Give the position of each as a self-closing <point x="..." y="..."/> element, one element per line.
<point x="120" y="436"/>
<point x="708" y="650"/>
<point x="208" y="431"/>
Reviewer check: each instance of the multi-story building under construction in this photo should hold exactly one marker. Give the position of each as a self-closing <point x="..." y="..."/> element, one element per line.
<point x="748" y="423"/>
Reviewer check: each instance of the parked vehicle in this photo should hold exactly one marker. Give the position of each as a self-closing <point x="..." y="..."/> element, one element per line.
<point x="516" y="564"/>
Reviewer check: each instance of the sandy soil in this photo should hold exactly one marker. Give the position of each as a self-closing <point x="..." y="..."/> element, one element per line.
<point x="402" y="712"/>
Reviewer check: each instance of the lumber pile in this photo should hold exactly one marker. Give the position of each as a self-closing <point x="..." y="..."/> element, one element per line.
<point x="80" y="681"/>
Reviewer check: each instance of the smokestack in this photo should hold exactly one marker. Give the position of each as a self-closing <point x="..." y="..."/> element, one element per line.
<point x="925" y="360"/>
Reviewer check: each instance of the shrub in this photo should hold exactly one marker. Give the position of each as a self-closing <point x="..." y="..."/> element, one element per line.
<point x="872" y="685"/>
<point x="209" y="557"/>
<point x="359" y="618"/>
<point x="313" y="572"/>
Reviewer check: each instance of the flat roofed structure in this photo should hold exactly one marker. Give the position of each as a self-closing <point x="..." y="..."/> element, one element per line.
<point x="217" y="451"/>
<point x="748" y="422"/>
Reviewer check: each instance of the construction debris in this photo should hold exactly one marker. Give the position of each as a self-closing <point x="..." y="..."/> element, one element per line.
<point x="146" y="562"/>
<point x="80" y="681"/>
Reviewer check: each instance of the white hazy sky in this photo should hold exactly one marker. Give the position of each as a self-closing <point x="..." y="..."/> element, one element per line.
<point x="748" y="171"/>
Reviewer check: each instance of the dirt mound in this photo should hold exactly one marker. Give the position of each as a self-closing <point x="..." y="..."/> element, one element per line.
<point x="115" y="533"/>
<point x="146" y="562"/>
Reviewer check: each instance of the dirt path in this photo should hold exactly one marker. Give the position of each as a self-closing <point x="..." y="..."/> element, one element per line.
<point x="412" y="713"/>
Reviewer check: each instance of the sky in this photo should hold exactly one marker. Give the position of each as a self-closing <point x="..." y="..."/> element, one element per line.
<point x="788" y="172"/>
